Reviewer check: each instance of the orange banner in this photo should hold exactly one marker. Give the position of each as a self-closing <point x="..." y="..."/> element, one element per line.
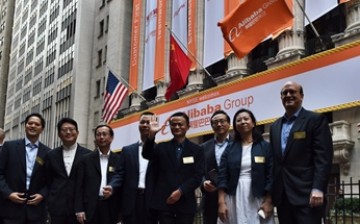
<point x="160" y="41"/>
<point x="134" y="51"/>
<point x="253" y="21"/>
<point x="192" y="31"/>
<point x="228" y="7"/>
<point x="289" y="25"/>
<point x="343" y="1"/>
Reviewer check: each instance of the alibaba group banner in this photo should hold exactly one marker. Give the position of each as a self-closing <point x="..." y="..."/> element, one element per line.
<point x="338" y="69"/>
<point x="253" y="21"/>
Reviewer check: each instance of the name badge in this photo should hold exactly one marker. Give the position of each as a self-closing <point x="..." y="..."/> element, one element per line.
<point x="259" y="159"/>
<point x="111" y="169"/>
<point x="39" y="160"/>
<point x="299" y="135"/>
<point x="188" y="160"/>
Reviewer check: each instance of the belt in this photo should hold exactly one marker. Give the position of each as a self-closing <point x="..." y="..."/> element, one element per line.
<point x="140" y="191"/>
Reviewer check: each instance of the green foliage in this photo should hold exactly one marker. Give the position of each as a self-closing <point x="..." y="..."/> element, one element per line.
<point x="347" y="205"/>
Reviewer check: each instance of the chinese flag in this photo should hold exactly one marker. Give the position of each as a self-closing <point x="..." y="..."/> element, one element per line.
<point x="253" y="21"/>
<point x="179" y="68"/>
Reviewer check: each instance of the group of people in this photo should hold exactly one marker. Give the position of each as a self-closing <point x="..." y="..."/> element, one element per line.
<point x="241" y="176"/>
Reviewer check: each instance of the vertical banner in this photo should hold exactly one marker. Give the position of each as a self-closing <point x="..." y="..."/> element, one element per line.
<point x="228" y="7"/>
<point x="134" y="51"/>
<point x="179" y="22"/>
<point x="213" y="38"/>
<point x="150" y="43"/>
<point x="160" y="41"/>
<point x="192" y="31"/>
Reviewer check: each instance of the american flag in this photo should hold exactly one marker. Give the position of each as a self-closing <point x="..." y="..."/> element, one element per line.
<point x="114" y="95"/>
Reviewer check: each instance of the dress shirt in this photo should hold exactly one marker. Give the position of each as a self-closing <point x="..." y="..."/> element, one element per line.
<point x="219" y="149"/>
<point x="31" y="152"/>
<point x="287" y="124"/>
<point x="68" y="156"/>
<point x="143" y="164"/>
<point x="104" y="160"/>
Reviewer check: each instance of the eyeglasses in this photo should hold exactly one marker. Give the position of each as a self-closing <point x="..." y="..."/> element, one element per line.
<point x="65" y="130"/>
<point x="288" y="91"/>
<point x="144" y="122"/>
<point x="215" y="122"/>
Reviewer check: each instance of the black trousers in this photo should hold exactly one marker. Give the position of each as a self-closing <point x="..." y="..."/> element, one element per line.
<point x="102" y="213"/>
<point x="175" y="218"/>
<point x="63" y="219"/>
<point x="288" y="213"/>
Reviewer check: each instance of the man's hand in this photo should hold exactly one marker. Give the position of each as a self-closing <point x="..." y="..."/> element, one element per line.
<point x="107" y="191"/>
<point x="267" y="206"/>
<point x="316" y="198"/>
<point x="35" y="199"/>
<point x="80" y="217"/>
<point x="174" y="197"/>
<point x="17" y="197"/>
<point x="208" y="186"/>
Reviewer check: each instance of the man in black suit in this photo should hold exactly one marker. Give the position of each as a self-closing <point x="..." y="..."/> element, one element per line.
<point x="2" y="136"/>
<point x="178" y="170"/>
<point x="61" y="166"/>
<point x="302" y="149"/>
<point x="92" y="202"/>
<point x="132" y="175"/>
<point x="23" y="176"/>
<point x="213" y="149"/>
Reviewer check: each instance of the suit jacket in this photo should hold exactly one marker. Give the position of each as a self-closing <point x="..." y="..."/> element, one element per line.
<point x="13" y="179"/>
<point x="88" y="185"/>
<point x="127" y="178"/>
<point x="61" y="186"/>
<point x="261" y="168"/>
<point x="169" y="176"/>
<point x="209" y="201"/>
<point x="307" y="159"/>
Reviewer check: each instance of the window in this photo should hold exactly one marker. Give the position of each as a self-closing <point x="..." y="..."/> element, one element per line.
<point x="101" y="28"/>
<point x="99" y="58"/>
<point x="97" y="89"/>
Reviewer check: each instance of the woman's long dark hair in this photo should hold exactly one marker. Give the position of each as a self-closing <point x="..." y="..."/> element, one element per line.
<point x="257" y="137"/>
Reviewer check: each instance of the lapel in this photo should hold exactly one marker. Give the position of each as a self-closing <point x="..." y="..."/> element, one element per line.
<point x="20" y="148"/>
<point x="96" y="161"/>
<point x="277" y="138"/>
<point x="212" y="156"/>
<point x="171" y="153"/>
<point x="60" y="160"/>
<point x="299" y="122"/>
<point x="135" y="153"/>
<point x="76" y="158"/>
<point x="110" y="170"/>
<point x="39" y="160"/>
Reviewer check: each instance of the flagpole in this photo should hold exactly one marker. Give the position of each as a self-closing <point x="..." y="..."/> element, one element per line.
<point x="123" y="80"/>
<point x="311" y="25"/>
<point x="192" y="55"/>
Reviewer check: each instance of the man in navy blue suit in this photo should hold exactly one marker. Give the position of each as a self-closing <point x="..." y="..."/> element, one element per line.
<point x="133" y="176"/>
<point x="302" y="150"/>
<point x="23" y="177"/>
<point x="178" y="167"/>
<point x="213" y="149"/>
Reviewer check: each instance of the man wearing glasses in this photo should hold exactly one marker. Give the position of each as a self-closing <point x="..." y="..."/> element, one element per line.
<point x="213" y="149"/>
<point x="61" y="166"/>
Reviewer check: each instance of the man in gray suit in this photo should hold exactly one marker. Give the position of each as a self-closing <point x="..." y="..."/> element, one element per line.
<point x="302" y="149"/>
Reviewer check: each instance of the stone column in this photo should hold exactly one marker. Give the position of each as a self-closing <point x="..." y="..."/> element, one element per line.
<point x="237" y="68"/>
<point x="352" y="31"/>
<point x="291" y="42"/>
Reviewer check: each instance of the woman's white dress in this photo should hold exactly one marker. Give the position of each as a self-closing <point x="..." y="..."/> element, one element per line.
<point x="243" y="206"/>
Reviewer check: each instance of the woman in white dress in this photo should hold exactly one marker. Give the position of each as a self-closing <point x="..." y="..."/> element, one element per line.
<point x="245" y="176"/>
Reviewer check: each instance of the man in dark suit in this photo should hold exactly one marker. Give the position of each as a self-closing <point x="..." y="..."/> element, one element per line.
<point x="2" y="136"/>
<point x="61" y="166"/>
<point x="92" y="203"/>
<point x="213" y="149"/>
<point x="178" y="170"/>
<point x="132" y="175"/>
<point x="302" y="149"/>
<point x="23" y="176"/>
